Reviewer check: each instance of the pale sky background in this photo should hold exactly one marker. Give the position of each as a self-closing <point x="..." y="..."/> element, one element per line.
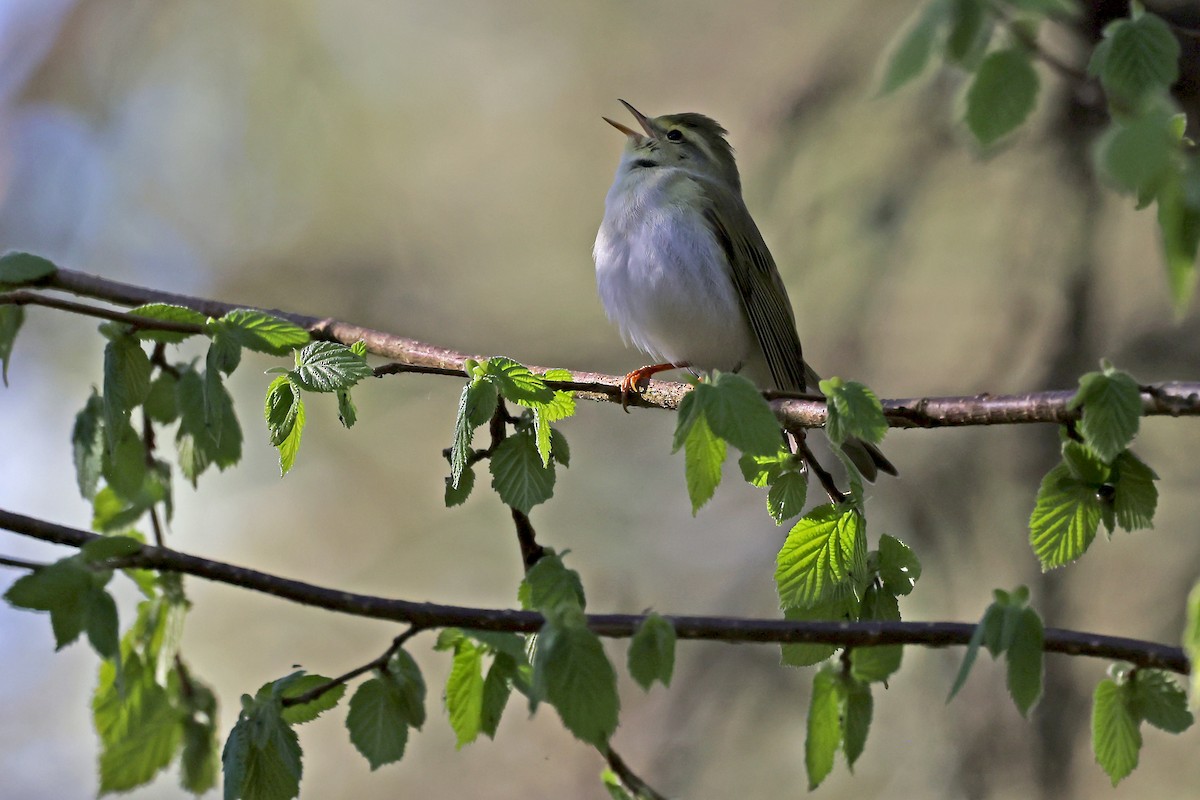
<point x="438" y="169"/>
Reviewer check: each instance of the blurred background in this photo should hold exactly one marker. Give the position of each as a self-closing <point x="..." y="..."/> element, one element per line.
<point x="438" y="169"/>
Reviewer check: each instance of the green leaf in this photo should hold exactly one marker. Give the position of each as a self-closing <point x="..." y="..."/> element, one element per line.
<point x="101" y="622"/>
<point x="819" y="556"/>
<point x="515" y="381"/>
<point x="824" y="726"/>
<point x="62" y="588"/>
<point x="859" y="707"/>
<point x="785" y="498"/>
<point x="898" y="566"/>
<point x="347" y="412"/>
<point x="1064" y="519"/>
<point x="161" y="404"/>
<point x="107" y="547"/>
<point x="1112" y="409"/>
<point x="165" y="312"/>
<point x="652" y="652"/>
<point x="127" y="371"/>
<point x="281" y="408"/>
<point x="703" y="455"/>
<point x="1025" y="661"/>
<point x="571" y="672"/>
<point x="1001" y="96"/>
<point x="910" y="51"/>
<point x="518" y="475"/>
<point x="1136" y="156"/>
<point x="328" y="367"/>
<point x="11" y="319"/>
<point x="464" y="692"/>
<point x="87" y="445"/>
<point x="1159" y="700"/>
<point x="1135" y="497"/>
<point x="224" y="353"/>
<point x="1116" y="739"/>
<point x="19" y="269"/>
<point x="869" y="664"/>
<point x="977" y="638"/>
<point x="138" y="725"/>
<point x="124" y="465"/>
<point x="377" y="723"/>
<point x="263" y="333"/>
<point x="289" y="447"/>
<point x="199" y="759"/>
<point x="476" y="405"/>
<point x="970" y="31"/>
<point x="457" y="495"/>
<point x="1138" y="56"/>
<point x="306" y="712"/>
<point x="854" y="412"/>
<point x="1179" y="224"/>
<point x="261" y="758"/>
<point x="843" y="608"/>
<point x="549" y="585"/>
<point x="1191" y="635"/>
<point x="765" y="470"/>
<point x="736" y="411"/>
<point x="497" y="687"/>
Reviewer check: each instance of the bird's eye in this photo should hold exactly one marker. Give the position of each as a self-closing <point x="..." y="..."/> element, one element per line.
<point x="674" y="135"/>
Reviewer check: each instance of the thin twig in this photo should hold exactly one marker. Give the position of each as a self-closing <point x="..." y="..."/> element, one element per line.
<point x="20" y="563"/>
<point x="22" y="297"/>
<point x="378" y="663"/>
<point x="726" y="629"/>
<point x="629" y="779"/>
<point x="827" y="483"/>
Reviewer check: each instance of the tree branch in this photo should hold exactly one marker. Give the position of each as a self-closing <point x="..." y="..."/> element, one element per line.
<point x="1165" y="399"/>
<point x="724" y="629"/>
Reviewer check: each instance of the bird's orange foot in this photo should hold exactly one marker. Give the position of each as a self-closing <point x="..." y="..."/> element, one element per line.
<point x="636" y="381"/>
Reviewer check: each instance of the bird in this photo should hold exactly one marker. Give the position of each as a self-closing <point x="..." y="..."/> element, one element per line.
<point x="684" y="273"/>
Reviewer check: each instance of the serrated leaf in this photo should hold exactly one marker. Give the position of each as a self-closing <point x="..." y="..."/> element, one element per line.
<point x="765" y="470"/>
<point x="516" y="382"/>
<point x="978" y="637"/>
<point x="457" y="495"/>
<point x="652" y="652"/>
<point x="785" y="498"/>
<point x="1116" y="740"/>
<point x="1064" y="519"/>
<point x="854" y="412"/>
<point x="549" y="585"/>
<point x="138" y="725"/>
<point x="1025" y="659"/>
<point x="1135" y="497"/>
<point x="1159" y="700"/>
<point x="703" y="455"/>
<point x="820" y="554"/>
<point x="160" y="404"/>
<point x="971" y="25"/>
<point x="464" y="692"/>
<point x="898" y="566"/>
<point x="101" y="622"/>
<point x="347" y="412"/>
<point x="289" y="447"/>
<point x="199" y="758"/>
<point x="124" y="463"/>
<point x="825" y="732"/>
<point x="127" y="371"/>
<point x="572" y="673"/>
<point x="87" y="445"/>
<point x="1112" y="409"/>
<point x="306" y="712"/>
<point x="1136" y="156"/>
<point x="19" y="269"/>
<point x="377" y="723"/>
<point x="62" y="589"/>
<point x="869" y="664"/>
<point x="264" y="333"/>
<point x="497" y="687"/>
<point x="843" y="608"/>
<point x="736" y="412"/>
<point x="280" y="409"/>
<point x="518" y="475"/>
<point x="1140" y="56"/>
<point x="165" y="312"/>
<point x="11" y="319"/>
<point x="1001" y="95"/>
<point x="910" y="52"/>
<point x="329" y="366"/>
<point x="859" y="707"/>
<point x="261" y="759"/>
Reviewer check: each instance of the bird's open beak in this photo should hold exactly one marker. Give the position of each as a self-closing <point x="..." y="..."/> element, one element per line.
<point x="642" y="119"/>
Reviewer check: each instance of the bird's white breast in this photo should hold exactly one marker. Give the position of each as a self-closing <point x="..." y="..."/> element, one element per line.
<point x="662" y="275"/>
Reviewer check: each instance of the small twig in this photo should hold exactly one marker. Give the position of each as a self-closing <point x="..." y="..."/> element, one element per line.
<point x="378" y="663"/>
<point x="827" y="483"/>
<point x="1030" y="43"/>
<point x="22" y="297"/>
<point x="20" y="563"/>
<point x="629" y="779"/>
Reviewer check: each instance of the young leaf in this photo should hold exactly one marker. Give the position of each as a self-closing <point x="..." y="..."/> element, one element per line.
<point x="897" y="565"/>
<point x="736" y="411"/>
<point x="347" y="412"/>
<point x="1064" y="519"/>
<point x="126" y="381"/>
<point x="1139" y="56"/>
<point x="329" y="366"/>
<point x="1135" y="497"/>
<point x="516" y="382"/>
<point x="819" y="556"/>
<point x="166" y="312"/>
<point x="854" y="412"/>
<point x="868" y="664"/>
<point x="464" y="692"/>
<point x="977" y="639"/>
<point x="841" y="609"/>
<point x="703" y="455"/>
<point x="1160" y="701"/>
<point x="1116" y="739"/>
<point x="62" y="588"/>
<point x="377" y="723"/>
<point x="87" y="445"/>
<point x="785" y="498"/>
<point x="497" y="687"/>
<point x="652" y="652"/>
<point x="550" y="585"/>
<point x="518" y="475"/>
<point x="1001" y="96"/>
<point x="857" y="719"/>
<point x="825" y="730"/>
<point x="19" y="269"/>
<point x="457" y="495"/>
<point x="1024" y="656"/>
<point x="263" y="333"/>
<point x="1136" y="156"/>
<point x="11" y="319"/>
<point x="261" y="758"/>
<point x="911" y="50"/>
<point x="298" y="685"/>
<point x="572" y="673"/>
<point x="161" y="404"/>
<point x="971" y="27"/>
<point x="138" y="725"/>
<point x="1112" y="408"/>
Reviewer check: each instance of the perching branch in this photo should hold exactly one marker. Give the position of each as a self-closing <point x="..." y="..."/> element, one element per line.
<point x="806" y="411"/>
<point x="725" y="629"/>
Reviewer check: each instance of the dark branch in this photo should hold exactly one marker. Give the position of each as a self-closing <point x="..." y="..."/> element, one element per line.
<point x="378" y="663"/>
<point x="24" y="298"/>
<point x="20" y="563"/>
<point x="725" y="629"/>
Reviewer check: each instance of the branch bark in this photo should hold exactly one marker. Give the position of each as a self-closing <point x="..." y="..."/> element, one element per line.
<point x="723" y="629"/>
